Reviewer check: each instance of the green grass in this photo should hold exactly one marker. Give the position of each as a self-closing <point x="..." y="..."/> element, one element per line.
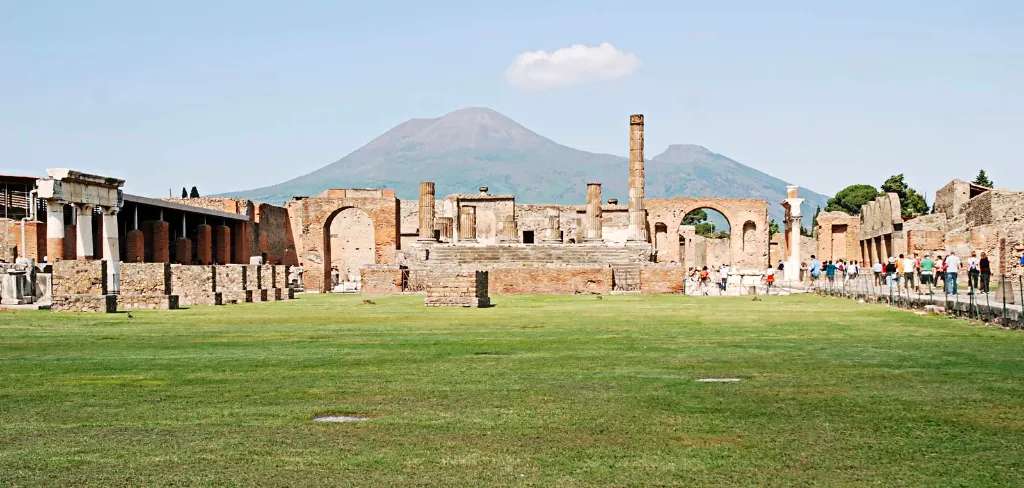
<point x="543" y="391"/>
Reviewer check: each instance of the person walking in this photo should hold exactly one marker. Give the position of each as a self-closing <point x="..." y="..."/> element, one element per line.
<point x="928" y="272"/>
<point x="815" y="269"/>
<point x="723" y="276"/>
<point x="877" y="270"/>
<point x="891" y="273"/>
<point x="909" y="268"/>
<point x="703" y="281"/>
<point x="985" y="272"/>
<point x="953" y="265"/>
<point x="830" y="273"/>
<point x="972" y="272"/>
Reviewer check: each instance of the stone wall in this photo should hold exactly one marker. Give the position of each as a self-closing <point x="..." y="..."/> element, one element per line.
<point x="145" y="279"/>
<point x="458" y="289"/>
<point x="662" y="278"/>
<point x="232" y="282"/>
<point x="748" y="223"/>
<point x="81" y="286"/>
<point x="381" y="279"/>
<point x="195" y="284"/>
<point x="550" y="279"/>
<point x="838" y="237"/>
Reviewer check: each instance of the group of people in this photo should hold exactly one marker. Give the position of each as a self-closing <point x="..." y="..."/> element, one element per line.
<point x="701" y="279"/>
<point x="912" y="272"/>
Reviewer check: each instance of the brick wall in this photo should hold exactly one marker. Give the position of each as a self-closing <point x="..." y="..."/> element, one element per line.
<point x="381" y="279"/>
<point x="661" y="279"/>
<point x="554" y="280"/>
<point x="458" y="289"/>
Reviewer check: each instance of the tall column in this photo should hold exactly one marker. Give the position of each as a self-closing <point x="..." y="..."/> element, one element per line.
<point x="111" y="248"/>
<point x="467" y="224"/>
<point x="427" y="212"/>
<point x="222" y="244"/>
<point x="83" y="232"/>
<point x="884" y="248"/>
<point x="507" y="229"/>
<point x="241" y="243"/>
<point x="637" y="211"/>
<point x="794" y="220"/>
<point x="54" y="230"/>
<point x="552" y="231"/>
<point x="593" y="216"/>
<point x="160" y="243"/>
<point x="204" y="244"/>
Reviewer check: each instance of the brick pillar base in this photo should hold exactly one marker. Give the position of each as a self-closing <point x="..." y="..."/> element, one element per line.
<point x="134" y="246"/>
<point x="55" y="249"/>
<point x="222" y="244"/>
<point x="161" y="242"/>
<point x="241" y="244"/>
<point x="204" y="248"/>
<point x="183" y="251"/>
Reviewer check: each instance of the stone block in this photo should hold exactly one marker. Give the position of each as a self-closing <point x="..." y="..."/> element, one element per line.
<point x="458" y="289"/>
<point x="71" y="277"/>
<point x="195" y="285"/>
<point x="236" y="296"/>
<point x="147" y="302"/>
<point x="145" y="278"/>
<point x="85" y="303"/>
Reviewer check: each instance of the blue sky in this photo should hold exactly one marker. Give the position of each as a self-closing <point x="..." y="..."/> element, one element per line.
<point x="244" y="94"/>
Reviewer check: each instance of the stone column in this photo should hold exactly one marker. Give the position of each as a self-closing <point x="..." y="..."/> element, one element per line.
<point x="204" y="244"/>
<point x="183" y="246"/>
<point x="83" y="232"/>
<point x="54" y="231"/>
<point x="467" y="224"/>
<point x="507" y="229"/>
<point x="552" y="224"/>
<point x="242" y="246"/>
<point x="593" y="216"/>
<point x="637" y="211"/>
<point x="427" y="212"/>
<point x="111" y="248"/>
<point x="794" y="220"/>
<point x="883" y="249"/>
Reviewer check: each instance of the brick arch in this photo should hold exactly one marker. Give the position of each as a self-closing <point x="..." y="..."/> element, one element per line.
<point x="311" y="218"/>
<point x="737" y="211"/>
<point x="328" y="246"/>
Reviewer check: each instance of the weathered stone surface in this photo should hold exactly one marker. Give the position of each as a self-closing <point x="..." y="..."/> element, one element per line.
<point x="145" y="278"/>
<point x="458" y="289"/>
<point x="195" y="285"/>
<point x="85" y="303"/>
<point x="381" y="279"/>
<point x="147" y="302"/>
<point x="72" y="277"/>
<point x="550" y="279"/>
<point x="662" y="278"/>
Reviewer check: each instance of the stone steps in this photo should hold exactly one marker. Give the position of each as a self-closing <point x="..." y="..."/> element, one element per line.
<point x="534" y="254"/>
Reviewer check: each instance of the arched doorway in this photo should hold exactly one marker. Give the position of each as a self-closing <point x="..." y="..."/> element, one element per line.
<point x="705" y="238"/>
<point x="348" y="244"/>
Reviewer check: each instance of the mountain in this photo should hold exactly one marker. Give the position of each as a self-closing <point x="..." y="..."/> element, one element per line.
<point x="472" y="147"/>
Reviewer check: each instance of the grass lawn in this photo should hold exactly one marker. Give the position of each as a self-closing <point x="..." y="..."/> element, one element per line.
<point x="544" y="391"/>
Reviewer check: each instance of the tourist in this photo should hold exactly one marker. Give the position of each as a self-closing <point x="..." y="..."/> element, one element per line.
<point x="769" y="279"/>
<point x="891" y="273"/>
<point x="952" y="265"/>
<point x="877" y="270"/>
<point x="985" y="272"/>
<point x="928" y="272"/>
<point x="972" y="272"/>
<point x="909" y="267"/>
<point x="853" y="270"/>
<point x="830" y="272"/>
<point x="815" y="269"/>
<point x="940" y="272"/>
<point x="704" y="280"/>
<point x="723" y="277"/>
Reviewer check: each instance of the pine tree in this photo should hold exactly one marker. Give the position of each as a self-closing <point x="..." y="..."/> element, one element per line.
<point x="184" y="192"/>
<point x="982" y="180"/>
<point x="194" y="193"/>
<point x="911" y="201"/>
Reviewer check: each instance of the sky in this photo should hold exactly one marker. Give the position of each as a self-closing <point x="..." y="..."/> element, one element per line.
<point x="235" y="95"/>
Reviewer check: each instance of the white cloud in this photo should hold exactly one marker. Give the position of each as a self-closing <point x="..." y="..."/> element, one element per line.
<point x="570" y="65"/>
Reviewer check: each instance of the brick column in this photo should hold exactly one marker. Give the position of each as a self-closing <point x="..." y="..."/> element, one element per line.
<point x="134" y="246"/>
<point x="222" y="244"/>
<point x="183" y="250"/>
<point x="637" y="211"/>
<point x="83" y="232"/>
<point x="54" y="231"/>
<point x="467" y="224"/>
<point x="593" y="215"/>
<point x="242" y="246"/>
<point x="204" y="244"/>
<point x="160" y="246"/>
<point x="552" y="232"/>
<point x="427" y="212"/>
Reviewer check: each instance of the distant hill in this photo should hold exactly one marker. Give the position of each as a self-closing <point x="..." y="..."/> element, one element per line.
<point x="472" y="147"/>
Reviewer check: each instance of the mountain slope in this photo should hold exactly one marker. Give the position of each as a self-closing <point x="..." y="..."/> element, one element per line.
<point x="471" y="147"/>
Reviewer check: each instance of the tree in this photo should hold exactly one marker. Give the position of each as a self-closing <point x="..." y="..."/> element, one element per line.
<point x="982" y="179"/>
<point x="184" y="192"/>
<point x="851" y="198"/>
<point x="695" y="217"/>
<point x="194" y="193"/>
<point x="706" y="229"/>
<point x="911" y="201"/>
<point x="773" y="228"/>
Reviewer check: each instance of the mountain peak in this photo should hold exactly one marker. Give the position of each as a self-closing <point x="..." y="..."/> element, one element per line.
<point x="681" y="151"/>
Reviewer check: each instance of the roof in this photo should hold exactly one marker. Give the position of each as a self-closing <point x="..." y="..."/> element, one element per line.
<point x="156" y="202"/>
<point x="19" y="178"/>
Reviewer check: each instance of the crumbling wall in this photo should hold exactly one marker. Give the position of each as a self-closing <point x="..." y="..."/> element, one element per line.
<point x="195" y="284"/>
<point x="550" y="279"/>
<point x="662" y="278"/>
<point x="81" y="286"/>
<point x="748" y="223"/>
<point x="458" y="289"/>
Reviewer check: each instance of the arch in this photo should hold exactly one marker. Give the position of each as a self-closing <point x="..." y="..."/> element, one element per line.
<point x="736" y="212"/>
<point x="348" y="243"/>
